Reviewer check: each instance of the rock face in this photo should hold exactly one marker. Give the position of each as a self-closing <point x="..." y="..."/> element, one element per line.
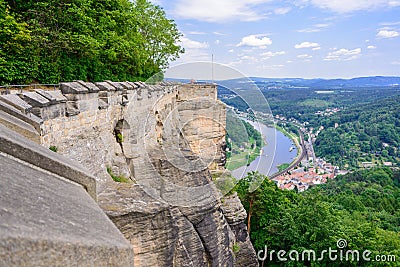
<point x="165" y="139"/>
<point x="235" y="214"/>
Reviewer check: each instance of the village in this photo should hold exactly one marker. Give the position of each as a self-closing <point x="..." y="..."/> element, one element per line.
<point x="309" y="169"/>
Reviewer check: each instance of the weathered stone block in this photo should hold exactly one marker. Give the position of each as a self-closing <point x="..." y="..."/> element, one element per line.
<point x="19" y="147"/>
<point x="104" y="86"/>
<point x="73" y="88"/>
<point x="34" y="99"/>
<point x="15" y="101"/>
<point x="48" y="221"/>
<point x="90" y="86"/>
<point x="117" y="85"/>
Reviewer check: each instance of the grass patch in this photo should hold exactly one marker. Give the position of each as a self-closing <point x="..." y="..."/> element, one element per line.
<point x="242" y="158"/>
<point x="53" y="148"/>
<point x="235" y="248"/>
<point x="118" y="178"/>
<point x="283" y="166"/>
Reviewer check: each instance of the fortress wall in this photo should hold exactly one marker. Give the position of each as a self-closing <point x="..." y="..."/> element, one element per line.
<point x="153" y="135"/>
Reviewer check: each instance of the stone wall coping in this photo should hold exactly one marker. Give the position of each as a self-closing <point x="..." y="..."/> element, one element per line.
<point x="34" y="99"/>
<point x="73" y="88"/>
<point x="117" y="85"/>
<point x="90" y="86"/>
<point x="19" y="147"/>
<point x="17" y="102"/>
<point x="104" y="86"/>
<point x="55" y="97"/>
<point x="28" y="118"/>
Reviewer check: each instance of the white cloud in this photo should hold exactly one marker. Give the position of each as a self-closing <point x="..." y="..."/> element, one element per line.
<point x="396" y="62"/>
<point x="314" y="28"/>
<point x="231" y="51"/>
<point x="217" y="42"/>
<point x="345" y="6"/>
<point x="191" y="44"/>
<point x="371" y="47"/>
<point x="282" y="10"/>
<point x="316" y="48"/>
<point x="309" y="30"/>
<point x="343" y="54"/>
<point x="306" y="45"/>
<point x="394" y="3"/>
<point x="270" y="54"/>
<point x="196" y="33"/>
<point x="194" y="50"/>
<point x="260" y="41"/>
<point x="390" y="23"/>
<point x="248" y="58"/>
<point x="219" y="33"/>
<point x="387" y="34"/>
<point x="304" y="56"/>
<point x="271" y="67"/>
<point x="220" y="10"/>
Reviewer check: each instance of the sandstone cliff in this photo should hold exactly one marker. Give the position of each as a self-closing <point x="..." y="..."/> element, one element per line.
<point x="164" y="139"/>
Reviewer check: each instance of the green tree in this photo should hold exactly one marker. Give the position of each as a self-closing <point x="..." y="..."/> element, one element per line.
<point x="95" y="40"/>
<point x="17" y="64"/>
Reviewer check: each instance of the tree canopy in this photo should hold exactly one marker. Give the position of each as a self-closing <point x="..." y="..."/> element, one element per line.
<point x="49" y="41"/>
<point x="361" y="207"/>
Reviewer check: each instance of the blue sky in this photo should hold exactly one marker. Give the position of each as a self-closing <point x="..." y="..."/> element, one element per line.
<point x="291" y="38"/>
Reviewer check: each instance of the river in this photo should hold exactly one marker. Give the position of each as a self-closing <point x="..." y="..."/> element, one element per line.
<point x="274" y="153"/>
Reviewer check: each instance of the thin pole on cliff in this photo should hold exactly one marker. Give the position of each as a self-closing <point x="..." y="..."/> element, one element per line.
<point x="212" y="68"/>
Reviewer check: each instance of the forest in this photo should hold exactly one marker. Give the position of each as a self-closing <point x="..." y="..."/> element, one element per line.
<point x="362" y="208"/>
<point x="362" y="133"/>
<point x="49" y="41"/>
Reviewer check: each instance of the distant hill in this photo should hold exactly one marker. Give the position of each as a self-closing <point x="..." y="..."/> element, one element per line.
<point x="274" y="83"/>
<point x="374" y="81"/>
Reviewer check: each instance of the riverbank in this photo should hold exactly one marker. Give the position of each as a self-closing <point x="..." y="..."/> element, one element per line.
<point x="243" y="158"/>
<point x="244" y="143"/>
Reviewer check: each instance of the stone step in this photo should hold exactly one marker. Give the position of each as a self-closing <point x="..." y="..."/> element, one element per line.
<point x="19" y="126"/>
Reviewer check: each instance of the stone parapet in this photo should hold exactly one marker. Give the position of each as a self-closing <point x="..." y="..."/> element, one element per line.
<point x="47" y="220"/>
<point x="19" y="147"/>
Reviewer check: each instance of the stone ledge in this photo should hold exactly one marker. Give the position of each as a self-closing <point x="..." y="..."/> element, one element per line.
<point x="19" y="251"/>
<point x="104" y="86"/>
<point x="90" y="86"/>
<point x="55" y="97"/>
<point x="28" y="118"/>
<point x="19" y="126"/>
<point x="73" y="88"/>
<point x="34" y="99"/>
<point x="19" y="147"/>
<point x="48" y="221"/>
<point x="117" y="85"/>
<point x="17" y="102"/>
